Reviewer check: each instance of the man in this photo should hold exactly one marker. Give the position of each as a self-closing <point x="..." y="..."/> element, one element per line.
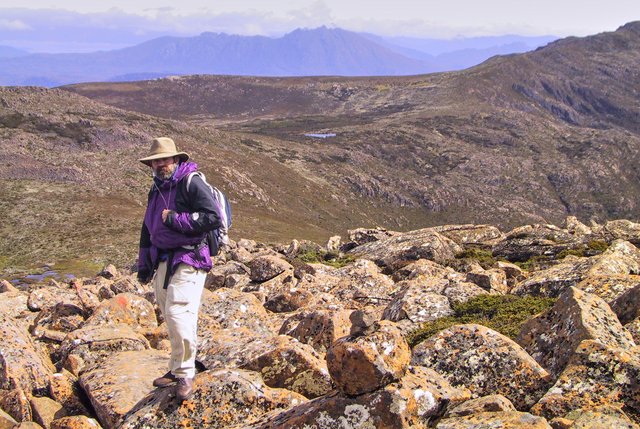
<point x="173" y="245"/>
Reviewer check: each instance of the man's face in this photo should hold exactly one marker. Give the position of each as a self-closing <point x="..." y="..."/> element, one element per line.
<point x="164" y="167"/>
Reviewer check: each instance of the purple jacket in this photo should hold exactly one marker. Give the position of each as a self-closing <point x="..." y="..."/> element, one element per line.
<point x="182" y="235"/>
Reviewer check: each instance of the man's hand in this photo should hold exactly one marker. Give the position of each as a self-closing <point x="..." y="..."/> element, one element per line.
<point x="144" y="276"/>
<point x="165" y="214"/>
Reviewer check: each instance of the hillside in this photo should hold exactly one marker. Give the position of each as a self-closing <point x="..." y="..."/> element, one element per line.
<point x="523" y="138"/>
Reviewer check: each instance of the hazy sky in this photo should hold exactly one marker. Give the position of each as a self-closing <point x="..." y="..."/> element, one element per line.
<point x="27" y="22"/>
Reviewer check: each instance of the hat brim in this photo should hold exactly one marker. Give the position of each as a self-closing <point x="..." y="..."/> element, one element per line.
<point x="147" y="161"/>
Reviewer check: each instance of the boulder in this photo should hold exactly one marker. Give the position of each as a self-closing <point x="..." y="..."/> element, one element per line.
<point x="125" y="308"/>
<point x="633" y="328"/>
<point x="75" y="422"/>
<point x="6" y="421"/>
<point x="361" y="236"/>
<point x="492" y="280"/>
<point x="16" y="403"/>
<point x="54" y="323"/>
<point x="362" y="284"/>
<point x="116" y="385"/>
<point x="621" y="258"/>
<point x="226" y="347"/>
<point x="22" y="364"/>
<point x="47" y="296"/>
<point x="65" y="389"/>
<point x="611" y="287"/>
<point x="6" y="286"/>
<point x="399" y="250"/>
<point x="229" y="308"/>
<point x="483" y="404"/>
<point x="13" y="304"/>
<point x="551" y="337"/>
<point x="362" y="363"/>
<point x="421" y="269"/>
<point x="413" y="305"/>
<point x="600" y="417"/>
<point x="484" y="361"/>
<point x="28" y="425"/>
<point x="318" y="328"/>
<point x="288" y="300"/>
<point x="524" y="242"/>
<point x="91" y="345"/>
<point x="577" y="228"/>
<point x="266" y="267"/>
<point x="219" y="275"/>
<point x="596" y="375"/>
<point x="45" y="410"/>
<point x="627" y="304"/>
<point x="286" y="363"/>
<point x="501" y="419"/>
<point x="221" y="399"/>
<point x="470" y="234"/>
<point x="412" y="402"/>
<point x="109" y="272"/>
<point x="622" y="229"/>
<point x="458" y="291"/>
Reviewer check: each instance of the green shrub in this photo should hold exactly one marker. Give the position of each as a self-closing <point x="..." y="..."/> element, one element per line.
<point x="483" y="256"/>
<point x="503" y="313"/>
<point x="598" y="245"/>
<point x="311" y="256"/>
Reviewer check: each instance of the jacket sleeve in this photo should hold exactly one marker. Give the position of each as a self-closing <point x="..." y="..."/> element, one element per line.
<point x="145" y="266"/>
<point x="204" y="216"/>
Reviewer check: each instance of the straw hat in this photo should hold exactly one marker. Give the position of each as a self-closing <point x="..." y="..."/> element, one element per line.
<point x="163" y="147"/>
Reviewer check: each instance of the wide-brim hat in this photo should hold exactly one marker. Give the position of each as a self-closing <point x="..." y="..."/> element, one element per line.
<point x="163" y="147"/>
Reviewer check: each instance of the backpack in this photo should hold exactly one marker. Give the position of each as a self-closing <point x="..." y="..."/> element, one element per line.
<point x="218" y="237"/>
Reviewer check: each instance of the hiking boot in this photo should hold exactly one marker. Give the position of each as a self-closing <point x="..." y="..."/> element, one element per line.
<point x="165" y="380"/>
<point x="184" y="388"/>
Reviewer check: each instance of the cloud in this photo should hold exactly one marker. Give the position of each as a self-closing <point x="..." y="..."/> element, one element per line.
<point x="13" y="24"/>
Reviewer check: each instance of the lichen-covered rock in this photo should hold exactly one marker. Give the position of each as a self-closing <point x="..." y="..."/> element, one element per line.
<point x="621" y="258"/>
<point x="287" y="363"/>
<point x="362" y="284"/>
<point x="6" y="421"/>
<point x="601" y="417"/>
<point x="595" y="375"/>
<point x="319" y="328"/>
<point x="489" y="403"/>
<point x="221" y="399"/>
<point x="412" y="306"/>
<point x="90" y="345"/>
<point x="577" y="228"/>
<point x="367" y="235"/>
<point x="610" y="287"/>
<point x="65" y="389"/>
<point x="217" y="277"/>
<point x="622" y="229"/>
<point x="403" y="248"/>
<point x="288" y="300"/>
<point x="523" y="242"/>
<point x="75" y="422"/>
<point x="266" y="267"/>
<point x="362" y="363"/>
<point x="116" y="385"/>
<point x="125" y="308"/>
<point x="27" y="425"/>
<point x="226" y="347"/>
<point x="497" y="420"/>
<point x="411" y="402"/>
<point x="627" y="304"/>
<point x="229" y="308"/>
<point x="53" y="323"/>
<point x="471" y="234"/>
<point x="44" y="297"/>
<point x="551" y="337"/>
<point x="420" y="270"/>
<point x="16" y="403"/>
<point x="484" y="361"/>
<point x="22" y="364"/>
<point x="458" y="291"/>
<point x="492" y="280"/>
<point x="13" y="304"/>
<point x="45" y="410"/>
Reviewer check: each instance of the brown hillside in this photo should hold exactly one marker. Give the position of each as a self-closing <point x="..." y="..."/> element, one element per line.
<point x="522" y="138"/>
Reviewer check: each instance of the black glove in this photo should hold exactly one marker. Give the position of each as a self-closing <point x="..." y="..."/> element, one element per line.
<point x="144" y="276"/>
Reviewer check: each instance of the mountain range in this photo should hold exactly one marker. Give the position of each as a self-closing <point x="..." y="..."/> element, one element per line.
<point x="522" y="138"/>
<point x="317" y="52"/>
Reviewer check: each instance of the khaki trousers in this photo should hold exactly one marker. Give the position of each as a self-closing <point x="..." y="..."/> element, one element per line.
<point x="179" y="304"/>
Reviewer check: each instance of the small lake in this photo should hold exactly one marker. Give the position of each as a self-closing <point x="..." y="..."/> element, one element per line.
<point x="320" y="135"/>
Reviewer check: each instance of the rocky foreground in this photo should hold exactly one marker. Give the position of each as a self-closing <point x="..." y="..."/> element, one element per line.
<point x="292" y="344"/>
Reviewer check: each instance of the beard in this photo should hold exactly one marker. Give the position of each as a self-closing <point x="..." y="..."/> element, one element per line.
<point x="165" y="172"/>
